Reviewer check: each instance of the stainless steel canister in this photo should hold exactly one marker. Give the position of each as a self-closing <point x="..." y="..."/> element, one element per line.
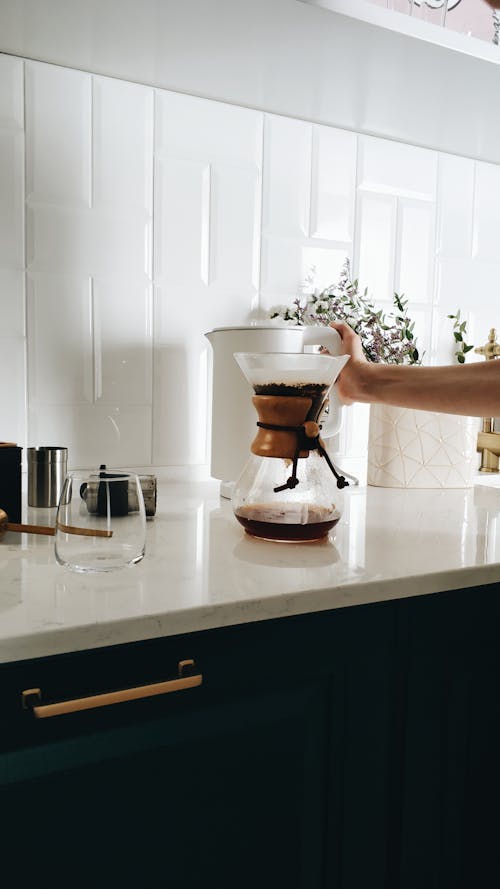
<point x="46" y="473"/>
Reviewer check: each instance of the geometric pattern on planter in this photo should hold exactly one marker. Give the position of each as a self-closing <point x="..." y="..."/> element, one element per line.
<point x="420" y="449"/>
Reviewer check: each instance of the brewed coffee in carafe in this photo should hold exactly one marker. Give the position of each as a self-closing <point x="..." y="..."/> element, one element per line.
<point x="289" y="489"/>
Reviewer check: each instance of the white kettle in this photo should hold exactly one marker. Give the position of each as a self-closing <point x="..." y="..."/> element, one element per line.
<point x="233" y="414"/>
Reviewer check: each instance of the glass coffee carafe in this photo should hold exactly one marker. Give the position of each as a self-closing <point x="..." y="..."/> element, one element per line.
<point x="289" y="490"/>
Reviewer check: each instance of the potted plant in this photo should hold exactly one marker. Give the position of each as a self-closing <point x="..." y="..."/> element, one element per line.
<point x="406" y="448"/>
<point x="388" y="338"/>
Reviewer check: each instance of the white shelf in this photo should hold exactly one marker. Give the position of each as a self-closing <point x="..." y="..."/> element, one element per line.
<point x="411" y="27"/>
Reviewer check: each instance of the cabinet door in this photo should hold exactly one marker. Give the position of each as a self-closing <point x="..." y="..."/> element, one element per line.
<point x="362" y="749"/>
<point x="450" y="765"/>
<point x="228" y="792"/>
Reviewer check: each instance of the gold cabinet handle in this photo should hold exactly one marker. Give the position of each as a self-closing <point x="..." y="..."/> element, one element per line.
<point x="32" y="697"/>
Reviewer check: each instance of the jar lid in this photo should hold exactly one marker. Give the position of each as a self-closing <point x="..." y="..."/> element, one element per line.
<point x="48" y="453"/>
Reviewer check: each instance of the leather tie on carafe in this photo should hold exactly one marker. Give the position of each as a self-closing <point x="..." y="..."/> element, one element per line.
<point x="291" y="439"/>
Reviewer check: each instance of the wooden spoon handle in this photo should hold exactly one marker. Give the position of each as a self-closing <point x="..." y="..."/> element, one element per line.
<point x="29" y="529"/>
<point x="66" y="529"/>
<point x="85" y="532"/>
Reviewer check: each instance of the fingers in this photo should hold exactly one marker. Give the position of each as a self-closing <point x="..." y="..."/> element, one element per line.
<point x="351" y="342"/>
<point x="343" y="329"/>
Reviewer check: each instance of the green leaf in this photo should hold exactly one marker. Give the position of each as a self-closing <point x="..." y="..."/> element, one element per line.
<point x="460" y="358"/>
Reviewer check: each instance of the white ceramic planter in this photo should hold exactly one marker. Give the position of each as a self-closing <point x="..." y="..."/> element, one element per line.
<point x="420" y="449"/>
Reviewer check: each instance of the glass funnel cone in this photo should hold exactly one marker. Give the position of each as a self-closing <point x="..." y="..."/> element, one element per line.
<point x="290" y="370"/>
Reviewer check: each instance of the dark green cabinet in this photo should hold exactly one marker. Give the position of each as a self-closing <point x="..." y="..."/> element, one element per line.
<point x="222" y="785"/>
<point x="343" y="750"/>
<point x="450" y="740"/>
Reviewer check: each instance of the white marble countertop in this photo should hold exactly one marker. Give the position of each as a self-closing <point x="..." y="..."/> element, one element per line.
<point x="201" y="571"/>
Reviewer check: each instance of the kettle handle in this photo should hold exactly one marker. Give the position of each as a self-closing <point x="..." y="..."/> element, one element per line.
<point x="320" y="335"/>
<point x="330" y="339"/>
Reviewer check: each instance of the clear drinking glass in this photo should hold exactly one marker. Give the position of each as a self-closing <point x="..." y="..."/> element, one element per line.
<point x="401" y="5"/>
<point x="101" y="521"/>
<point x="433" y="11"/>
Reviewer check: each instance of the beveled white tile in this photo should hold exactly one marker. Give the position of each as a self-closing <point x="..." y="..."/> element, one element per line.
<point x="486" y="220"/>
<point x="13" y="389"/>
<point x="11" y="92"/>
<point x="333" y="184"/>
<point x="322" y="263"/>
<point x="200" y="129"/>
<point x="287" y="264"/>
<point x="415" y="250"/>
<point x="376" y="244"/>
<point x="181" y="386"/>
<point x="121" y="245"/>
<point x="11" y="199"/>
<point x="455" y="206"/>
<point x="180" y="383"/>
<point x="122" y="122"/>
<point x="286" y="177"/>
<point x="207" y="224"/>
<point x="58" y="135"/>
<point x="396" y="168"/>
<point x="11" y="303"/>
<point x="123" y="345"/>
<point x="467" y="283"/>
<point x="60" y="340"/>
<point x="95" y="434"/>
<point x="89" y="242"/>
<point x="234" y="227"/>
<point x="281" y="265"/>
<point x="182" y="221"/>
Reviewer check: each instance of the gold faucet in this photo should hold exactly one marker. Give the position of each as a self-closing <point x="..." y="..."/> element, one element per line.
<point x="488" y="441"/>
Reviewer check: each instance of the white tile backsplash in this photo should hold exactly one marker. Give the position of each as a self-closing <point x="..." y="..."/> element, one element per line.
<point x="287" y="177"/>
<point x="123" y="340"/>
<point x="234" y="227"/>
<point x="95" y="434"/>
<point x="11" y="92"/>
<point x="93" y="242"/>
<point x="486" y="220"/>
<point x="396" y="168"/>
<point x="58" y="135"/>
<point x="141" y="218"/>
<point x="122" y="140"/>
<point x="182" y="221"/>
<point x="11" y="198"/>
<point x="377" y="217"/>
<point x="13" y="389"/>
<point x="455" y="207"/>
<point x="415" y="250"/>
<point x="190" y="127"/>
<point x="333" y="184"/>
<point x="60" y="340"/>
<point x="12" y="319"/>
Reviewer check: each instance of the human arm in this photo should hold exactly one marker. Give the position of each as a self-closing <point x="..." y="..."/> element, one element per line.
<point x="468" y="389"/>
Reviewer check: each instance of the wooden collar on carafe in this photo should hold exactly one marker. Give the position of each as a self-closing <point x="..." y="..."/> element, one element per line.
<point x="285" y="432"/>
